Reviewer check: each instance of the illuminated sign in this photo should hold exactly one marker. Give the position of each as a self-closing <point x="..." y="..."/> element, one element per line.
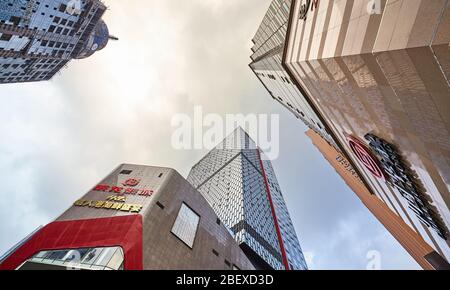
<point x="304" y="9"/>
<point x="365" y="156"/>
<point x="401" y="176"/>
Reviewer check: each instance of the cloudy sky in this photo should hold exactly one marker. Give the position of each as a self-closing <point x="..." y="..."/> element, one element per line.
<point x="59" y="138"/>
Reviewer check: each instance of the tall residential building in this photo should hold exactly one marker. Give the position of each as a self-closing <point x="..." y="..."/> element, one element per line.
<point x="240" y="185"/>
<point x="38" y="38"/>
<point x="139" y="217"/>
<point x="268" y="48"/>
<point x="377" y="75"/>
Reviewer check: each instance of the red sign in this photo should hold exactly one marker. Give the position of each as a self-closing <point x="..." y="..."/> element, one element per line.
<point x="122" y="190"/>
<point x="365" y="156"/>
<point x="132" y="182"/>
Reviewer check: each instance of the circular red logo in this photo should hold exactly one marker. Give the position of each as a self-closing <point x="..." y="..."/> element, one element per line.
<point x="132" y="182"/>
<point x="365" y="157"/>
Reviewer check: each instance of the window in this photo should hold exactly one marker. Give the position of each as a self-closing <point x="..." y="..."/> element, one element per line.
<point x="5" y="37"/>
<point x="108" y="258"/>
<point x="186" y="224"/>
<point x="15" y="20"/>
<point x="126" y="172"/>
<point x="63" y="8"/>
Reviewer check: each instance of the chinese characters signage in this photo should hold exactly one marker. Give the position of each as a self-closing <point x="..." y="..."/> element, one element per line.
<point x="123" y="190"/>
<point x="112" y="202"/>
<point x="117" y="198"/>
<point x="400" y="176"/>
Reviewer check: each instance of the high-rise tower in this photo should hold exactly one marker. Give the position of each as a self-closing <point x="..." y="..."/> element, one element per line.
<point x="241" y="186"/>
<point x="268" y="48"/>
<point x="38" y="38"/>
<point x="379" y="88"/>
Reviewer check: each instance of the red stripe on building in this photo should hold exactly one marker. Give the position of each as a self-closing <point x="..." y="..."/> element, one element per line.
<point x="125" y="232"/>
<point x="274" y="215"/>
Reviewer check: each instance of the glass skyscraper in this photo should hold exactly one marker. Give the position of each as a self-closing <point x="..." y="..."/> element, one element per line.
<point x="241" y="186"/>
<point x="267" y="59"/>
<point x="38" y="38"/>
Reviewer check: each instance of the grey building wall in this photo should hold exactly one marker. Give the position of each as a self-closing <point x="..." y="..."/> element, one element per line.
<point x="214" y="248"/>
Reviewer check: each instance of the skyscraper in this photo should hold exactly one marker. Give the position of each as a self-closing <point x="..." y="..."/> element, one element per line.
<point x="241" y="186"/>
<point x="268" y="48"/>
<point x="38" y="38"/>
<point x="381" y="86"/>
<point x="138" y="217"/>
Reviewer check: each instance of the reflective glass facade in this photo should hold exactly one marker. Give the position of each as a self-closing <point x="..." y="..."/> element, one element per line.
<point x="38" y="38"/>
<point x="232" y="178"/>
<point x="380" y="82"/>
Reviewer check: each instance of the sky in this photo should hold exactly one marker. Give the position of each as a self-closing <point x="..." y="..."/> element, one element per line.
<point x="59" y="138"/>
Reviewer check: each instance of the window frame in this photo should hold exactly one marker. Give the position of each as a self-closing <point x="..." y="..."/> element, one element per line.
<point x="196" y="229"/>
